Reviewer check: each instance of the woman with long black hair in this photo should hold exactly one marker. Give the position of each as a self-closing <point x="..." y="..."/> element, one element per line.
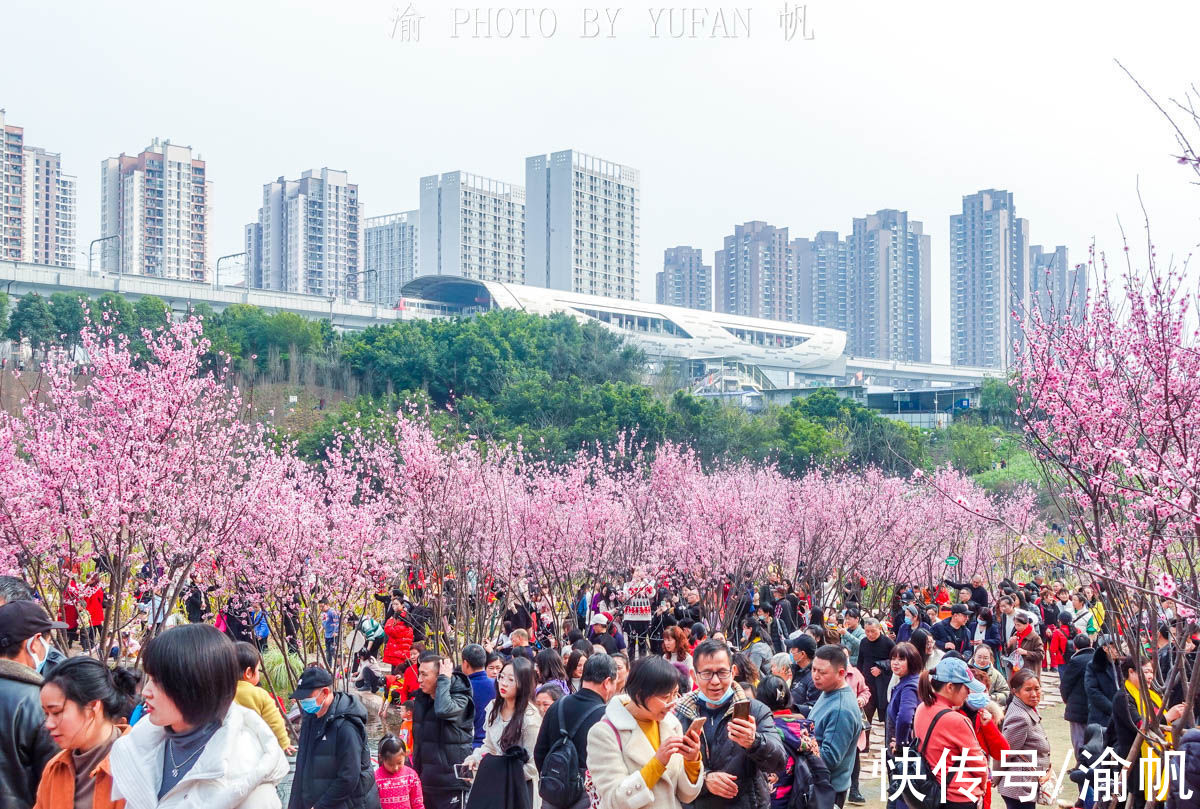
<point x="550" y="669"/>
<point x="510" y="733"/>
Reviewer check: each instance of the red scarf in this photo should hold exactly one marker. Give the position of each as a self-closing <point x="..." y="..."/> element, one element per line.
<point x="1024" y="633"/>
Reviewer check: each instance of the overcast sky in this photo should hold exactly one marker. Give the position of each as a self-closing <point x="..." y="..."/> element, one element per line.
<point x="889" y="105"/>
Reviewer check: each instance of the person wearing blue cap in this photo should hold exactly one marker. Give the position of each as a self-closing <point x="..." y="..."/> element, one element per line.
<point x="943" y="729"/>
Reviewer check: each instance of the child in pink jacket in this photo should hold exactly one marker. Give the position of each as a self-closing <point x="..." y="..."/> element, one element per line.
<point x="399" y="785"/>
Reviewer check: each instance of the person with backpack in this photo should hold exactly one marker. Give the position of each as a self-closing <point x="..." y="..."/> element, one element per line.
<point x="803" y="783"/>
<point x="941" y="728"/>
<point x="560" y="753"/>
<point x="333" y="764"/>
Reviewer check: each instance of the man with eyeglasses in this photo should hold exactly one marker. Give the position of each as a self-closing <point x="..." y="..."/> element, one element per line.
<point x="737" y="753"/>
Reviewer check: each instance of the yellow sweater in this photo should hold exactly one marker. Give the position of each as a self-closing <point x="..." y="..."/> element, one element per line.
<point x="653" y="769"/>
<point x="263" y="704"/>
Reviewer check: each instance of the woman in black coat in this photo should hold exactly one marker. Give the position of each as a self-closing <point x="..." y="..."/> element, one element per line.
<point x="1073" y="690"/>
<point x="1100" y="682"/>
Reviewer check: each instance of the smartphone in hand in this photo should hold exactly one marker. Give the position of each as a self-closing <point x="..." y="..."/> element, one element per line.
<point x="696" y="729"/>
<point x="741" y="710"/>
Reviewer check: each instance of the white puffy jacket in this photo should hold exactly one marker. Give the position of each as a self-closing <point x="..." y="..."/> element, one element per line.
<point x="239" y="768"/>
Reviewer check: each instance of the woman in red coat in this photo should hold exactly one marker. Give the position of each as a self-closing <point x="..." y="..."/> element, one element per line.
<point x="399" y="638"/>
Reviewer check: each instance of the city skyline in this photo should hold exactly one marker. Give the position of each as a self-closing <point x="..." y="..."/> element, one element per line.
<point x="1062" y="127"/>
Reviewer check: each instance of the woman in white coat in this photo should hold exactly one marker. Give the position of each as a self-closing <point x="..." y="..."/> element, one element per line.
<point x="638" y="755"/>
<point x="196" y="749"/>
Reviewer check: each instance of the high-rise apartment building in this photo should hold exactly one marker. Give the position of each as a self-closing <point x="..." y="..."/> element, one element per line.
<point x="581" y="224"/>
<point x="756" y="273"/>
<point x="254" y="246"/>
<point x="988" y="281"/>
<point x="307" y="238"/>
<point x="1055" y="286"/>
<point x="157" y="203"/>
<point x="685" y="280"/>
<point x="391" y="255"/>
<point x="889" y="314"/>
<point x="473" y="227"/>
<point x="49" y="210"/>
<point x="37" y="202"/>
<point x="12" y="191"/>
<point x="822" y="269"/>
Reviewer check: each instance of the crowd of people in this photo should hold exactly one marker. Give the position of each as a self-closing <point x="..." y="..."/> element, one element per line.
<point x="636" y="697"/>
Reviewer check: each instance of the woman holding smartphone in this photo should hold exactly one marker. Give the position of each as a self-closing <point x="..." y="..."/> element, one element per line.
<point x="638" y="754"/>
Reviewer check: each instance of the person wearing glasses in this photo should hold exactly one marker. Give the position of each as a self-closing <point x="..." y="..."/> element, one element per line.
<point x="738" y="753"/>
<point x="638" y="755"/>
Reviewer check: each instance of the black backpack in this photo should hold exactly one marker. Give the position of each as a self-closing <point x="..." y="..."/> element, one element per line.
<point x="561" y="777"/>
<point x="922" y="790"/>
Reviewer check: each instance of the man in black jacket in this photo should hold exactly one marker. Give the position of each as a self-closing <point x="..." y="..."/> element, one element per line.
<point x="443" y="727"/>
<point x="738" y="754"/>
<point x="25" y="746"/>
<point x="577" y="713"/>
<point x="979" y="593"/>
<point x="874" y="661"/>
<point x="951" y="634"/>
<point x="804" y="694"/>
<point x="333" y="763"/>
<point x="1073" y="690"/>
<point x="1100" y="681"/>
<point x="690" y="612"/>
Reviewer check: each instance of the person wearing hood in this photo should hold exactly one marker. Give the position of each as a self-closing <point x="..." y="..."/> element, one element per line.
<point x="1100" y="682"/>
<point x="25" y="744"/>
<point x="443" y="730"/>
<point x="333" y="763"/>
<point x="195" y="747"/>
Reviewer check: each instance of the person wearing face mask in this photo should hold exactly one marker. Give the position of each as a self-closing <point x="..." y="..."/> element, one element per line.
<point x="985" y="715"/>
<point x="333" y="764"/>
<point x="194" y="747"/>
<point x="738" y="753"/>
<point x="25" y="744"/>
<point x="944" y="730"/>
<point x="13" y="589"/>
<point x="83" y="715"/>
